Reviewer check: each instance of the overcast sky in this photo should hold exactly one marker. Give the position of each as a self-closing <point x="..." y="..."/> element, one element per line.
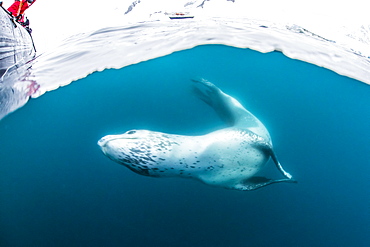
<point x="52" y="21"/>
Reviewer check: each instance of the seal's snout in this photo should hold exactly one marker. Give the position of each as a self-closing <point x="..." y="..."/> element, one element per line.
<point x="102" y="144"/>
<point x="129" y="135"/>
<point x="105" y="143"/>
<point x="102" y="141"/>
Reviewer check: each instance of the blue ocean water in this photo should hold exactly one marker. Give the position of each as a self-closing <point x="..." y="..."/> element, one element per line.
<point x="58" y="189"/>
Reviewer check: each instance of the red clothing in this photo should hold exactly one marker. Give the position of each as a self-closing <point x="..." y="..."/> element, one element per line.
<point x="16" y="11"/>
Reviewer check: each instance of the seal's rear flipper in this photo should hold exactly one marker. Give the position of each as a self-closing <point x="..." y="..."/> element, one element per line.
<point x="278" y="165"/>
<point x="254" y="183"/>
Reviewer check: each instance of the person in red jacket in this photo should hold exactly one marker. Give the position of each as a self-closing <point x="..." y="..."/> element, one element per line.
<point x="19" y="7"/>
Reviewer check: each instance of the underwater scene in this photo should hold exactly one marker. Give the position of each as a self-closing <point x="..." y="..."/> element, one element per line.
<point x="57" y="188"/>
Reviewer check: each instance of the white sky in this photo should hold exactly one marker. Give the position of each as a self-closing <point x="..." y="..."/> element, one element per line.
<point x="53" y="21"/>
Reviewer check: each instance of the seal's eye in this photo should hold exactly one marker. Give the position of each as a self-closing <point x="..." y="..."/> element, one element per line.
<point x="131" y="132"/>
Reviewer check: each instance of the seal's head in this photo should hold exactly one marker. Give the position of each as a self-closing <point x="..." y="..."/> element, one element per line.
<point x="138" y="150"/>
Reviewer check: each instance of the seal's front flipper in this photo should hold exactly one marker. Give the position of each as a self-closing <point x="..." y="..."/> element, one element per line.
<point x="215" y="98"/>
<point x="254" y="183"/>
<point x="205" y="90"/>
<point x="227" y="108"/>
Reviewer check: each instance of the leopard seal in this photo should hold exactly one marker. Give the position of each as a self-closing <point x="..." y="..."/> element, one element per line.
<point x="228" y="158"/>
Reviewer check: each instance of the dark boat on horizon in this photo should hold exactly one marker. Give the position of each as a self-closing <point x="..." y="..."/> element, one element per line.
<point x="180" y="15"/>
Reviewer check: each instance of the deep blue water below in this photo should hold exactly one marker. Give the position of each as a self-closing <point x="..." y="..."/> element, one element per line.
<point x="58" y="189"/>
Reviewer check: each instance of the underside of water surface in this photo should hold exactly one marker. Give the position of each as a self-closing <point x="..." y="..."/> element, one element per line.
<point x="58" y="189"/>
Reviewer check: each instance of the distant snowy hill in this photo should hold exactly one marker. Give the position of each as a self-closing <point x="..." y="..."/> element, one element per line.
<point x="326" y="21"/>
<point x="144" y="9"/>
